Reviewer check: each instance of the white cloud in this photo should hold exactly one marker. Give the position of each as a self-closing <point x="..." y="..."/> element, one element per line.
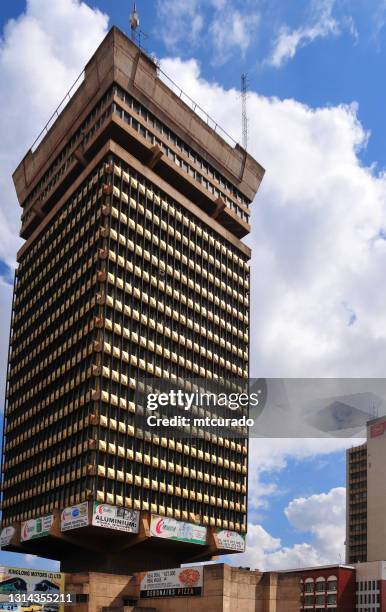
<point x="180" y="21"/>
<point x="309" y="514"/>
<point x="232" y="30"/>
<point x="318" y="234"/>
<point x="289" y="41"/>
<point x="30" y="559"/>
<point x="216" y="24"/>
<point x="39" y="563"/>
<point x="41" y="54"/>
<point x="267" y="457"/>
<point x="322" y="516"/>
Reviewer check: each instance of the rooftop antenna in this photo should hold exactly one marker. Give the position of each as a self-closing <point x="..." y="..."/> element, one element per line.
<point x="134" y="23"/>
<point x="244" y="116"/>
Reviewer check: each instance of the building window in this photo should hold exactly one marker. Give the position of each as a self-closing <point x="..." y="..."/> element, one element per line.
<point x="309" y="586"/>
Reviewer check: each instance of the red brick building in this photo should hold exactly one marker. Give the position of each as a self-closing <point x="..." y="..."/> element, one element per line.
<point x="330" y="587"/>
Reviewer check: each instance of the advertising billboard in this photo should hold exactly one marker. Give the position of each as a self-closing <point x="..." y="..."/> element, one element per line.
<point x="178" y="582"/>
<point x="36" y="528"/>
<point x="6" y="535"/>
<point x="164" y="527"/>
<point x="16" y="583"/>
<point x="230" y="540"/>
<point x="378" y="429"/>
<point x="74" y="517"/>
<point x="115" y="517"/>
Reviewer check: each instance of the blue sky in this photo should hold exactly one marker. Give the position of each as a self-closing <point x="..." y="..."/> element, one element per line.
<point x="317" y="123"/>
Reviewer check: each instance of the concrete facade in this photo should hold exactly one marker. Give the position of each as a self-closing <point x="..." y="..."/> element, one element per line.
<point x="228" y="589"/>
<point x="133" y="271"/>
<point x="371" y="586"/>
<point x="225" y="589"/>
<point x="376" y="490"/>
<point x="366" y="496"/>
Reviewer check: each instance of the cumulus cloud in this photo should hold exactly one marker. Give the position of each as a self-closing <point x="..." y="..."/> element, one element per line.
<point x="267" y="457"/>
<point x="288" y="41"/>
<point x="306" y="515"/>
<point x="230" y="30"/>
<point x="41" y="54"/>
<point x="182" y="19"/>
<point x="318" y="234"/>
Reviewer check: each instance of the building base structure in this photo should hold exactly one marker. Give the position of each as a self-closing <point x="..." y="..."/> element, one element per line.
<point x="225" y="589"/>
<point x="94" y="549"/>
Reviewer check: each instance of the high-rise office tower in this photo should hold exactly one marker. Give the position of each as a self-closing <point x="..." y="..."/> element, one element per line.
<point x="366" y="496"/>
<point x="356" y="507"/>
<point x="133" y="211"/>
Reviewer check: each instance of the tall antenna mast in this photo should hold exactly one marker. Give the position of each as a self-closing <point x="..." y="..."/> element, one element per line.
<point x="134" y="23"/>
<point x="244" y="116"/>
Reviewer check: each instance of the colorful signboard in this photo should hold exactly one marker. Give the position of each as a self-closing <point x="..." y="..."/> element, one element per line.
<point x="74" y="517"/>
<point x="6" y="536"/>
<point x="230" y="540"/>
<point x="16" y="581"/>
<point x="36" y="528"/>
<point x="114" y="517"/>
<point x="179" y="582"/>
<point x="165" y="527"/>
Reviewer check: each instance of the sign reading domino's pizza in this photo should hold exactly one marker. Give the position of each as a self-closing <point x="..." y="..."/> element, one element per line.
<point x="165" y="527"/>
<point x="115" y="517"/>
<point x="74" y="517"/>
<point x="178" y="582"/>
<point x="230" y="540"/>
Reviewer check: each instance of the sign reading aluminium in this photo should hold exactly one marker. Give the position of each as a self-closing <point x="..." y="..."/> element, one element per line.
<point x="164" y="527"/>
<point x="36" y="528"/>
<point x="74" y="517"/>
<point x="114" y="517"/>
<point x="230" y="540"/>
<point x="179" y="582"/>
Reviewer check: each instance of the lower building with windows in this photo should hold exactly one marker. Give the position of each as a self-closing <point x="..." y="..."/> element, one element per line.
<point x="220" y="588"/>
<point x="371" y="586"/>
<point x="330" y="587"/>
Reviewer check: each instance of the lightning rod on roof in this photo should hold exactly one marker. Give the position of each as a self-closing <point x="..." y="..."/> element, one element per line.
<point x="134" y="22"/>
<point x="244" y="116"/>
